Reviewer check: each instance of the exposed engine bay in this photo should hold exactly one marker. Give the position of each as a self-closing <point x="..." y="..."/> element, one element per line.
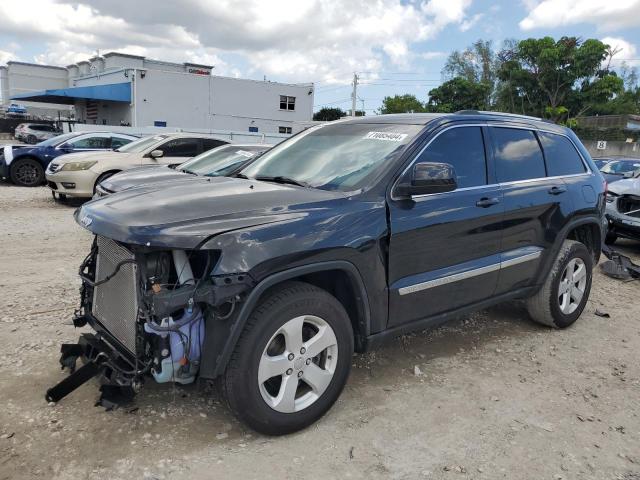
<point x="151" y="309"/>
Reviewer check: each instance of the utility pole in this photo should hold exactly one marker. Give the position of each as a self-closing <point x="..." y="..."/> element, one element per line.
<point x="354" y="95"/>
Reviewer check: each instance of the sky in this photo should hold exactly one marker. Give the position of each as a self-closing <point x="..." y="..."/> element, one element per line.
<point x="395" y="46"/>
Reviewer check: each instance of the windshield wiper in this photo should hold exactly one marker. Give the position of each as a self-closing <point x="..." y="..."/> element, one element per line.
<point x="240" y="175"/>
<point x="184" y="170"/>
<point x="281" y="179"/>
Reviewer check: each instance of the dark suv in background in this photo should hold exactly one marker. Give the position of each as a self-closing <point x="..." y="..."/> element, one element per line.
<point x="343" y="236"/>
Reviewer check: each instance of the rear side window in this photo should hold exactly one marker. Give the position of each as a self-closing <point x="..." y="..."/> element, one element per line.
<point x="209" y="143"/>
<point x="561" y="156"/>
<point x="463" y="148"/>
<point x="517" y="154"/>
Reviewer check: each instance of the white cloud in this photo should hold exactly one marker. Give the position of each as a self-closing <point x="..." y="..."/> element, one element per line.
<point x="298" y="40"/>
<point x="7" y="56"/>
<point x="604" y="14"/>
<point x="626" y="51"/>
<point x="433" y="55"/>
<point x="469" y="23"/>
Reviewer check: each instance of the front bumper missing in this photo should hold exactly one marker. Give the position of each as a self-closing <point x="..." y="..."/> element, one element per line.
<point x="100" y="359"/>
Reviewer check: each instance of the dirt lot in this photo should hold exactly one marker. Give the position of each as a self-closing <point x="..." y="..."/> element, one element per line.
<point x="488" y="396"/>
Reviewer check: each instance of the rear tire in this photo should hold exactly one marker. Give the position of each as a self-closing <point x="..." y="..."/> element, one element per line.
<point x="27" y="172"/>
<point x="291" y="361"/>
<point x="31" y="139"/>
<point x="565" y="292"/>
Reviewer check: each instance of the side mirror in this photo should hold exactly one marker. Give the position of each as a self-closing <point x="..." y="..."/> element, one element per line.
<point x="156" y="154"/>
<point x="429" y="177"/>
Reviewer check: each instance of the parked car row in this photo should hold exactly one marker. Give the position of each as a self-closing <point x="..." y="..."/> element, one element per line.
<point x="265" y="273"/>
<point x="78" y="174"/>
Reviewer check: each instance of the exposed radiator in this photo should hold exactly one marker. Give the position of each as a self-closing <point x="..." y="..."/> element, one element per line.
<point x="115" y="303"/>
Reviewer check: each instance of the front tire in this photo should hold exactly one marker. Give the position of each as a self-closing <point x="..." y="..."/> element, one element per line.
<point x="291" y="361"/>
<point x="27" y="172"/>
<point x="565" y="292"/>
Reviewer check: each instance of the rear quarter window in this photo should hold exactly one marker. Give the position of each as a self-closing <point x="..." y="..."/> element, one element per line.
<point x="561" y="156"/>
<point x="517" y="155"/>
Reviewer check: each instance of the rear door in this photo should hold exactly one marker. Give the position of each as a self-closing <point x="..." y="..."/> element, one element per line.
<point x="444" y="250"/>
<point x="536" y="205"/>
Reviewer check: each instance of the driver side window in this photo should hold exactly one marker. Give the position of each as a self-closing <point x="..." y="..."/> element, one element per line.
<point x="462" y="147"/>
<point x="92" y="142"/>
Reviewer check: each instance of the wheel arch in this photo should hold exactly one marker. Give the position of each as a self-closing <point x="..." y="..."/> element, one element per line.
<point x="340" y="278"/>
<point x="584" y="229"/>
<point x="101" y="176"/>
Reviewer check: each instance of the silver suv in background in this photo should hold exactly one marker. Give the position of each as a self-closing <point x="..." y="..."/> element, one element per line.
<point x="33" y="133"/>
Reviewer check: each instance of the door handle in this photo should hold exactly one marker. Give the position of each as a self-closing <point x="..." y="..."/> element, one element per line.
<point x="557" y="190"/>
<point x="485" y="202"/>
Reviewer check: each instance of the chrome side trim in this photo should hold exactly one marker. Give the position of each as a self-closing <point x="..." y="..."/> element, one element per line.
<point x="449" y="279"/>
<point x="518" y="260"/>
<point x="418" y="287"/>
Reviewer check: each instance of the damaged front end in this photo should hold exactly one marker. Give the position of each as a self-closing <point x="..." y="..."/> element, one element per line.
<point x="151" y="309"/>
<point x="623" y="215"/>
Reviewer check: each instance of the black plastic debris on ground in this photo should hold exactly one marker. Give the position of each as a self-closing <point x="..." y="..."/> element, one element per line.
<point x="619" y="266"/>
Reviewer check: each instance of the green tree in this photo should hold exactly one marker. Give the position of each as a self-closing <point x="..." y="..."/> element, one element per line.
<point x="459" y="94"/>
<point x="328" y="114"/>
<point x="401" y="104"/>
<point x="542" y="73"/>
<point x="478" y="64"/>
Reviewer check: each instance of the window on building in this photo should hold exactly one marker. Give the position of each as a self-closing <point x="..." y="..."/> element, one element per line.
<point x="180" y="147"/>
<point x="287" y="103"/>
<point x="518" y="155"/>
<point x="209" y="143"/>
<point x="561" y="156"/>
<point x="92" y="142"/>
<point x="464" y="149"/>
<point x="284" y="130"/>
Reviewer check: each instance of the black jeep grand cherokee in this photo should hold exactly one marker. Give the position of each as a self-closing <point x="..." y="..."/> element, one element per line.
<point x="343" y="236"/>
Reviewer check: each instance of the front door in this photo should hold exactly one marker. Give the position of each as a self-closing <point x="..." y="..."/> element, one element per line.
<point x="444" y="250"/>
<point x="178" y="150"/>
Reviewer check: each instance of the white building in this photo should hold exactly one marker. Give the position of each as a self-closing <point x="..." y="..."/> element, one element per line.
<point x="122" y="89"/>
<point x="20" y="78"/>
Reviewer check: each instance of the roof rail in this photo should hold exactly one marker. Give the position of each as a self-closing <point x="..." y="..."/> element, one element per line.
<point x="502" y="114"/>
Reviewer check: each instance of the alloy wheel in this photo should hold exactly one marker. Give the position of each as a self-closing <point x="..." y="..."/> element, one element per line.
<point x="298" y="364"/>
<point x="572" y="286"/>
<point x="27" y="174"/>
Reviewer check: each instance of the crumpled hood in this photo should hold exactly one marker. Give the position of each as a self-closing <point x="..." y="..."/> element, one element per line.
<point x="628" y="186"/>
<point x="139" y="176"/>
<point x="183" y="213"/>
<point x="99" y="155"/>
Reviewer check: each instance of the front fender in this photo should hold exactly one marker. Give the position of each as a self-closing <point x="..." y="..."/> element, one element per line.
<point x="222" y="336"/>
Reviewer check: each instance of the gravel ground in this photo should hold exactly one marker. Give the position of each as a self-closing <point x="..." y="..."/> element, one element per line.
<point x="488" y="396"/>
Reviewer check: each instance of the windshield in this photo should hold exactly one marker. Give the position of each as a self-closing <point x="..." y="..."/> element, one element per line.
<point x="620" y="167"/>
<point x="341" y="156"/>
<point x="57" y="140"/>
<point x="139" y="146"/>
<point x="221" y="160"/>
